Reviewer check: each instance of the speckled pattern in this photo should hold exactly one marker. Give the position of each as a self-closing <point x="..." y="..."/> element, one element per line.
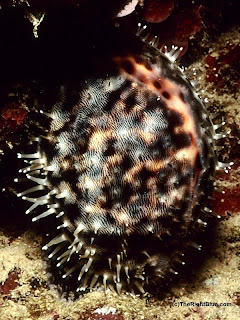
<point x="25" y="290"/>
<point x="126" y="161"/>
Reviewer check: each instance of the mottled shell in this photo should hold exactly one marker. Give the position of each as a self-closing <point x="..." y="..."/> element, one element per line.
<point x="124" y="166"/>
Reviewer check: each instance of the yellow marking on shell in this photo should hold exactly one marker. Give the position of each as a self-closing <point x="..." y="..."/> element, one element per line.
<point x="151" y="184"/>
<point x="111" y="163"/>
<point x="89" y="183"/>
<point x="123" y="218"/>
<point x="89" y="208"/>
<point x="148" y="137"/>
<point x="186" y="154"/>
<point x="97" y="139"/>
<point x="65" y="164"/>
<point x="65" y="188"/>
<point x="133" y="198"/>
<point x="156" y="165"/>
<point x="130" y="174"/>
<point x="115" y="159"/>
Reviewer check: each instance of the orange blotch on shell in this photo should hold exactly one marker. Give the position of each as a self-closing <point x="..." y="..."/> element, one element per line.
<point x="168" y="90"/>
<point x="171" y="93"/>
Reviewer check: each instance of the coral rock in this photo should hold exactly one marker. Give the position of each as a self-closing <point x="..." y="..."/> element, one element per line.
<point x="158" y="10"/>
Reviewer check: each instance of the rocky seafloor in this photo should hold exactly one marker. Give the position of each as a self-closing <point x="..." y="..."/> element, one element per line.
<point x="210" y="34"/>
